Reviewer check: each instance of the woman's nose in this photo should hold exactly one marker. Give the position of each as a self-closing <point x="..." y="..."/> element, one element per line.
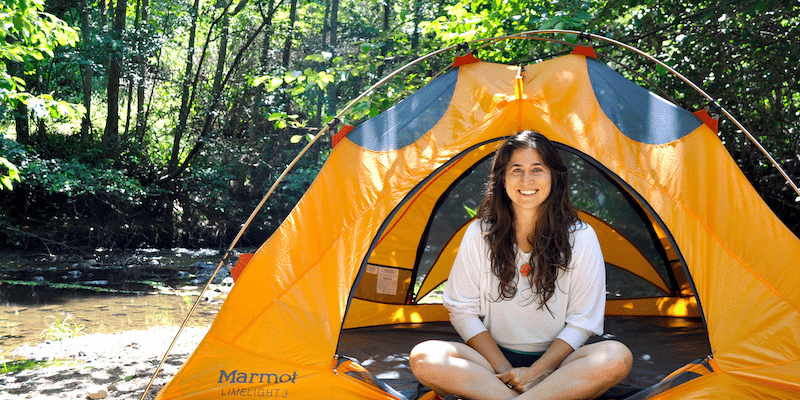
<point x="528" y="177"/>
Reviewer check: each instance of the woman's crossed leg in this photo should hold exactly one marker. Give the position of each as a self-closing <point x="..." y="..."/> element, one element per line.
<point x="455" y="368"/>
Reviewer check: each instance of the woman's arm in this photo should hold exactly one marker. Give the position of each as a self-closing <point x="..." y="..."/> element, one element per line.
<point x="522" y="379"/>
<point x="463" y="292"/>
<point x="484" y="343"/>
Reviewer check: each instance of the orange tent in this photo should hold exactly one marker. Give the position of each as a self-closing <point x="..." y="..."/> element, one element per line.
<point x="364" y="245"/>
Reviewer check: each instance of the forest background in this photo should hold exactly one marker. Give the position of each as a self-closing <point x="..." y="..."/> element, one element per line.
<point x="132" y="123"/>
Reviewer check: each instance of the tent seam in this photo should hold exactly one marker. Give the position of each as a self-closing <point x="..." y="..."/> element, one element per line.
<point x="706" y="228"/>
<point x="775" y="364"/>
<point x="416" y="197"/>
<point x="312" y="266"/>
<point x="702" y="223"/>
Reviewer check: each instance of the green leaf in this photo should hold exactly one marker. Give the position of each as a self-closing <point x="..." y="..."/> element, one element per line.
<point x="10" y="176"/>
<point x="297" y="90"/>
<point x="316" y="57"/>
<point x="472" y="212"/>
<point x="6" y="182"/>
<point x="261" y="79"/>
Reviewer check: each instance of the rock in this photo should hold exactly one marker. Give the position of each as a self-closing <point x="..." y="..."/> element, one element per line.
<point x="97" y="393"/>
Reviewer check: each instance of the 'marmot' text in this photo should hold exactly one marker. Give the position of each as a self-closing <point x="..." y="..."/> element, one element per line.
<point x="254" y="377"/>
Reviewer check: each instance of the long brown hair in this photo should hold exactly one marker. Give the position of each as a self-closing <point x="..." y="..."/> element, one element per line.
<point x="550" y="238"/>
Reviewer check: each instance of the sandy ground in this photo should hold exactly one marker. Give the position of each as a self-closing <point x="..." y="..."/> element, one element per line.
<point x="114" y="366"/>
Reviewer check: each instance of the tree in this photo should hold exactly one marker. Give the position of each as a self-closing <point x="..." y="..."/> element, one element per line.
<point x="115" y="48"/>
<point x="29" y="34"/>
<point x="141" y="62"/>
<point x="226" y="92"/>
<point x="87" y="70"/>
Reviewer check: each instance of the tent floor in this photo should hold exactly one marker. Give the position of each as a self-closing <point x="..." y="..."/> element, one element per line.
<point x="660" y="345"/>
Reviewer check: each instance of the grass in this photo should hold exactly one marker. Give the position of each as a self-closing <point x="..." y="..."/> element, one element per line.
<point x="58" y="329"/>
<point x="7" y="366"/>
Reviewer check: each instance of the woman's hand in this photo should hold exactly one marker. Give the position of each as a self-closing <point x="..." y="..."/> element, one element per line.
<point x="523" y="378"/>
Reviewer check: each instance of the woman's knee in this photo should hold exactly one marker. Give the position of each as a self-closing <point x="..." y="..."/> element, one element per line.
<point x="425" y="357"/>
<point x="614" y="358"/>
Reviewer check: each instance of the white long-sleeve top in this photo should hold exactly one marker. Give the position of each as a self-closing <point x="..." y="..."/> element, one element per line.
<point x="577" y="305"/>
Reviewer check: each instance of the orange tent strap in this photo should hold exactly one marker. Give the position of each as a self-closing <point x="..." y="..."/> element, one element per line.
<point x="707" y="119"/>
<point x="464" y="60"/>
<point x="587" y="51"/>
<point x="237" y="269"/>
<point x="341" y="134"/>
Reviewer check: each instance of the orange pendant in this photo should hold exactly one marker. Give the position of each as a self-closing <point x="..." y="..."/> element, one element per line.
<point x="525" y="269"/>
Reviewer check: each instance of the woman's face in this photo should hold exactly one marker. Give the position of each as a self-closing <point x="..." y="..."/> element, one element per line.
<point x="528" y="180"/>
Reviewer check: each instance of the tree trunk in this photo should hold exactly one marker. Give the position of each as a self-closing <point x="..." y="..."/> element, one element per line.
<point x="222" y="55"/>
<point x="135" y="80"/>
<point x="387" y="42"/>
<point x="325" y="23"/>
<point x="22" y="123"/>
<point x="88" y="74"/>
<point x="333" y="42"/>
<point x="128" y="108"/>
<point x="417" y="20"/>
<point x="287" y="50"/>
<point x="111" y="132"/>
<point x="141" y="116"/>
<point x="183" y="114"/>
<point x="264" y="60"/>
<point x="334" y="24"/>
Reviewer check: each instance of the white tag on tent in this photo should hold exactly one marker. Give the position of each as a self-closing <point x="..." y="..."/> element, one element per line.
<point x="387" y="281"/>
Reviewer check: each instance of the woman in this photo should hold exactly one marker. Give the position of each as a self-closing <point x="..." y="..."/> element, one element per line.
<point x="526" y="290"/>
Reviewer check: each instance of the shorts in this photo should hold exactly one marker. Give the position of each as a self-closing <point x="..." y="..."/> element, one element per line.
<point x="520" y="359"/>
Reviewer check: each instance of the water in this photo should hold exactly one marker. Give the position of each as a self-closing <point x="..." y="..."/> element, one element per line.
<point x="105" y="292"/>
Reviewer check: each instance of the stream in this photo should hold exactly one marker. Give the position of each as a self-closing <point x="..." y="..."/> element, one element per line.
<point x="43" y="296"/>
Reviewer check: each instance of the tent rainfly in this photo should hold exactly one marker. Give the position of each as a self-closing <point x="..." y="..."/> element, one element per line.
<point x="376" y="232"/>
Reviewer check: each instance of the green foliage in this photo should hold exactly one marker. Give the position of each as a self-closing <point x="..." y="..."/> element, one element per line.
<point x="72" y="177"/>
<point x="249" y="109"/>
<point x="28" y="34"/>
<point x="469" y="20"/>
<point x="9" y="176"/>
<point x="60" y="329"/>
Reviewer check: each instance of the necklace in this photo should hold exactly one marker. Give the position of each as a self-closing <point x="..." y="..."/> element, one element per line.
<point x="525" y="269"/>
